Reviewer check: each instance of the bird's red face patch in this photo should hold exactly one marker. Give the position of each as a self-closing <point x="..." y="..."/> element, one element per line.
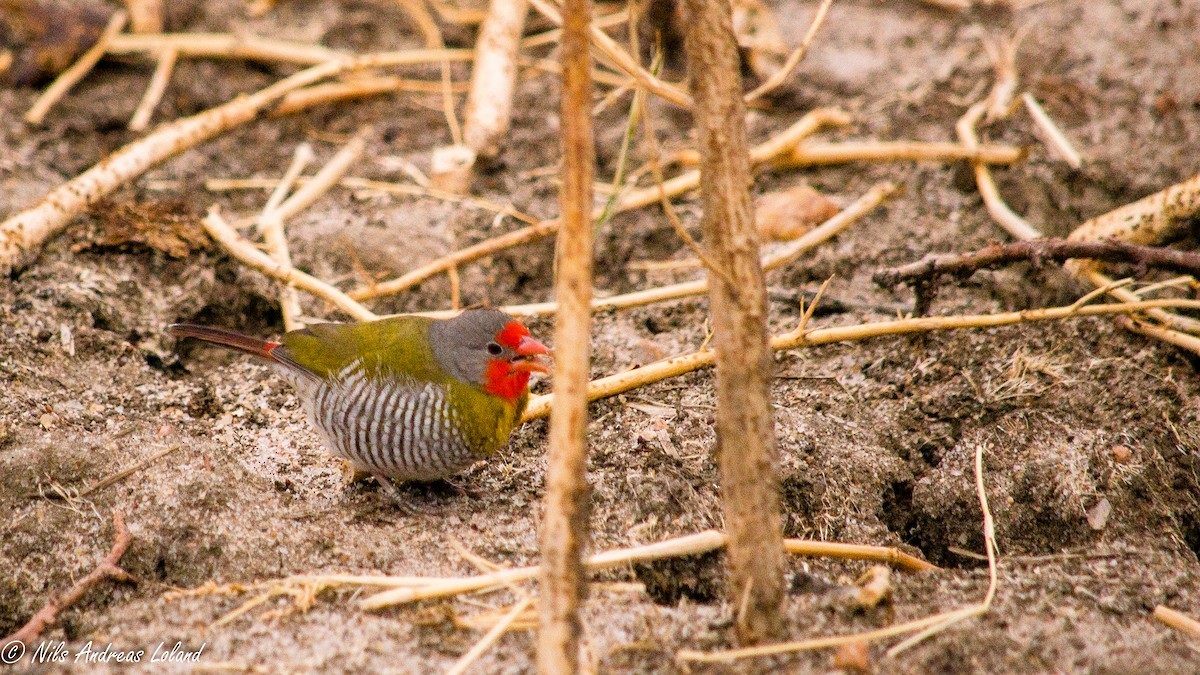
<point x="507" y="376"/>
<point x="504" y="380"/>
<point x="510" y="336"/>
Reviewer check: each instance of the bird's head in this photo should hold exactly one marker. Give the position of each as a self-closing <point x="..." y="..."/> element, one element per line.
<point x="489" y="348"/>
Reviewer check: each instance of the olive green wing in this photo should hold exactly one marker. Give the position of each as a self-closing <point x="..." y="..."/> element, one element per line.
<point x="398" y="346"/>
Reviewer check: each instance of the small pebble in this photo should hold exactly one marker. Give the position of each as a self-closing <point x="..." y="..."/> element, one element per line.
<point x="1097" y="516"/>
<point x="1121" y="454"/>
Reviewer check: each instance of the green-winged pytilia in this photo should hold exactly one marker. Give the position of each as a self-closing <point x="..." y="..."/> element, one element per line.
<point x="406" y="398"/>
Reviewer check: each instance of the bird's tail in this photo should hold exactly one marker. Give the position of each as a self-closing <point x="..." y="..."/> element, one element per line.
<point x="225" y="338"/>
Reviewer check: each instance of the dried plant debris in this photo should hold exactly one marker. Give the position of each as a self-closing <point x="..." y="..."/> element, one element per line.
<point x="164" y="226"/>
<point x="44" y="37"/>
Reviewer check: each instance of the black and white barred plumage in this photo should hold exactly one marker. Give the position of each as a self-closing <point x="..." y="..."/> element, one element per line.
<point x="398" y="427"/>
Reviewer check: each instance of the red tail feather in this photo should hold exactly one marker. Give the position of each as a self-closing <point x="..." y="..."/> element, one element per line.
<point x="225" y="338"/>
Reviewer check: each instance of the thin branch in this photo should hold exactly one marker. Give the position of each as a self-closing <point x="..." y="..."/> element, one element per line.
<point x="154" y="90"/>
<point x="490" y="638"/>
<point x="1177" y="620"/>
<point x="780" y="76"/>
<point x="1003" y="53"/>
<point x="1178" y="338"/>
<point x="250" y="256"/>
<point x="404" y="593"/>
<point x="820" y="154"/>
<point x="680" y="365"/>
<point x="1155" y="213"/>
<point x="366" y="184"/>
<point x="71" y="76"/>
<point x="925" y="274"/>
<point x="1017" y="226"/>
<point x="228" y="46"/>
<point x="433" y="40"/>
<point x="829" y="549"/>
<point x="989" y="545"/>
<point x="1053" y="137"/>
<point x="356" y="88"/>
<point x="107" y="569"/>
<point x="270" y="228"/>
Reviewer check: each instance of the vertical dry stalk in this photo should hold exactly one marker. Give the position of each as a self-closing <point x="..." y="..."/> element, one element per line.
<point x="565" y="523"/>
<point x="745" y="429"/>
<point x="494" y="78"/>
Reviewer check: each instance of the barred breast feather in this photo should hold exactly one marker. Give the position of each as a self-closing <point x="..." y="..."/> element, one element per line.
<point x="400" y="427"/>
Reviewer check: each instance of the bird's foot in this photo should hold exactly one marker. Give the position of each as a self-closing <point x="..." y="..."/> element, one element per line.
<point x="395" y="495"/>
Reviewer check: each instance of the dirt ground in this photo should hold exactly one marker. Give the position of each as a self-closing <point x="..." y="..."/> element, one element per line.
<point x="877" y="438"/>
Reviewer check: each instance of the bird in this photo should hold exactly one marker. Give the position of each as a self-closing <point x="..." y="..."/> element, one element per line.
<point x="407" y="398"/>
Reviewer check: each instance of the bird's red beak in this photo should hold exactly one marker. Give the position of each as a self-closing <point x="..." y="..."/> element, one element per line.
<point x="529" y="352"/>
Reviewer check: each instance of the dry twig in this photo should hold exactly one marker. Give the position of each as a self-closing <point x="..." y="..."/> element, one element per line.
<point x="250" y="256"/>
<point x="1177" y="620"/>
<point x="924" y="274"/>
<point x="1157" y="213"/>
<point x="780" y="76"/>
<point x="366" y="184"/>
<point x="69" y="77"/>
<point x="107" y="569"/>
<point x="490" y="638"/>
<point x="1053" y="137"/>
<point x="154" y="91"/>
<point x="270" y="228"/>
<point x="830" y="549"/>
<point x="819" y="154"/>
<point x="673" y="367"/>
<point x="226" y="46"/>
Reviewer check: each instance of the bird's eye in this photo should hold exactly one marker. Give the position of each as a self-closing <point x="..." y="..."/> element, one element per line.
<point x="495" y="349"/>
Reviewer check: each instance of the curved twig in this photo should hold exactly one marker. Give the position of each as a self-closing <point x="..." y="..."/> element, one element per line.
<point x="107" y="569"/>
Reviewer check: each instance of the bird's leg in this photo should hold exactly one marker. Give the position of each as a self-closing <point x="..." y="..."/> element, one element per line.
<point x="394" y="495"/>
